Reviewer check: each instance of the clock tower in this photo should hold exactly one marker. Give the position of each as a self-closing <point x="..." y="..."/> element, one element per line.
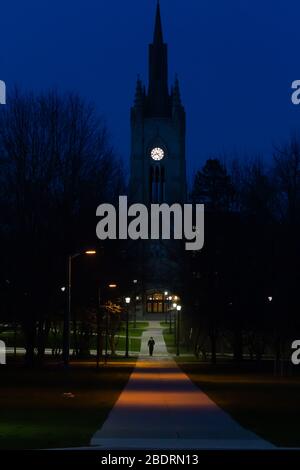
<point x="158" y="171"/>
<point x="157" y="164"/>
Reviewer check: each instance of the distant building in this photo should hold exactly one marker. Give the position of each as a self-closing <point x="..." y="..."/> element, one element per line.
<point x="158" y="174"/>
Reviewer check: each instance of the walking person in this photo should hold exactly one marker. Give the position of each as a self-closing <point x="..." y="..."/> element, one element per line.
<point x="151" y="344"/>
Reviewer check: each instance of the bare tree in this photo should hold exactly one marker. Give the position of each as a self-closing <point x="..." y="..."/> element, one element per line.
<point x="287" y="173"/>
<point x="57" y="165"/>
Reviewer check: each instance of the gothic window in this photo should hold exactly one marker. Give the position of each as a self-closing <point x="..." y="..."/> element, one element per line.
<point x="162" y="184"/>
<point x="151" y="184"/>
<point x="157" y="181"/>
<point x="157" y="184"/>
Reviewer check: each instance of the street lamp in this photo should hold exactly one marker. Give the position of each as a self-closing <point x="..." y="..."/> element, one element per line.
<point x="166" y="293"/>
<point x="111" y="286"/>
<point x="135" y="281"/>
<point x="169" y="310"/>
<point x="175" y="326"/>
<point x="67" y="318"/>
<point x="178" y="308"/>
<point x="127" y="301"/>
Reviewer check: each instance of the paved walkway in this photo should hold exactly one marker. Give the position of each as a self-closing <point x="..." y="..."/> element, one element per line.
<point x="160" y="408"/>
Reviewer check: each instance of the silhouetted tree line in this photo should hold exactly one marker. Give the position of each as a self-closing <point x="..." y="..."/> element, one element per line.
<point x="57" y="165"/>
<point x="243" y="287"/>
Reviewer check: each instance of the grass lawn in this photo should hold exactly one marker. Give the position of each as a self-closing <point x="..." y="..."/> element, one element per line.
<point x="267" y="405"/>
<point x="35" y="414"/>
<point x="135" y="334"/>
<point x="170" y="340"/>
<point x="134" y="344"/>
<point x="137" y="331"/>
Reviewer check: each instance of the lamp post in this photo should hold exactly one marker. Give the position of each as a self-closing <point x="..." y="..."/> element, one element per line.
<point x="178" y="329"/>
<point x="67" y="317"/>
<point x="135" y="299"/>
<point x="110" y="286"/>
<point x="166" y="293"/>
<point x="99" y="332"/>
<point x="127" y="300"/>
<point x="98" y="327"/>
<point x="278" y="357"/>
<point x="175" y="326"/>
<point x="170" y="315"/>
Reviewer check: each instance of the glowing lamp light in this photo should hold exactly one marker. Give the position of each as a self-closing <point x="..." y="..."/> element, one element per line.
<point x="127" y="300"/>
<point x="178" y="308"/>
<point x="90" y="252"/>
<point x="112" y="286"/>
<point x="174" y="305"/>
<point x="270" y="299"/>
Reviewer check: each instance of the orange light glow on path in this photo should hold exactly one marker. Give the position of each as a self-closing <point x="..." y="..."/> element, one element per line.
<point x="161" y="408"/>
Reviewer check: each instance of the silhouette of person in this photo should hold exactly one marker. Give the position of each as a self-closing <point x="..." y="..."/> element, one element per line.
<point x="151" y="344"/>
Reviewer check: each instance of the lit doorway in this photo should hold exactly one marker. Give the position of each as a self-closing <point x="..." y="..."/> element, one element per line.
<point x="159" y="302"/>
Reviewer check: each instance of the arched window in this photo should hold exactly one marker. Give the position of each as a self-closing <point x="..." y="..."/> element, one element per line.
<point x="151" y="183"/>
<point x="157" y="184"/>
<point x="162" y="184"/>
<point x="157" y="181"/>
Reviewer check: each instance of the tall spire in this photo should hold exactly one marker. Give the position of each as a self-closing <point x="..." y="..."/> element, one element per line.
<point x="158" y="34"/>
<point x="158" y="93"/>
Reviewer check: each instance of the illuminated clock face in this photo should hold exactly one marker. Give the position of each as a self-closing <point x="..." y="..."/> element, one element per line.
<point x="157" y="154"/>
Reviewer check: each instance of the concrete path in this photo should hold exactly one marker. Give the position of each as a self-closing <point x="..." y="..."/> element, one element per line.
<point x="160" y="408"/>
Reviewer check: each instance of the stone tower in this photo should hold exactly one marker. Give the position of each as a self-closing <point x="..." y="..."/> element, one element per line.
<point x="158" y="122"/>
<point x="157" y="164"/>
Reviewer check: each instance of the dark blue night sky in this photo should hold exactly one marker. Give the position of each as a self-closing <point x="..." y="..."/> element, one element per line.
<point x="235" y="59"/>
